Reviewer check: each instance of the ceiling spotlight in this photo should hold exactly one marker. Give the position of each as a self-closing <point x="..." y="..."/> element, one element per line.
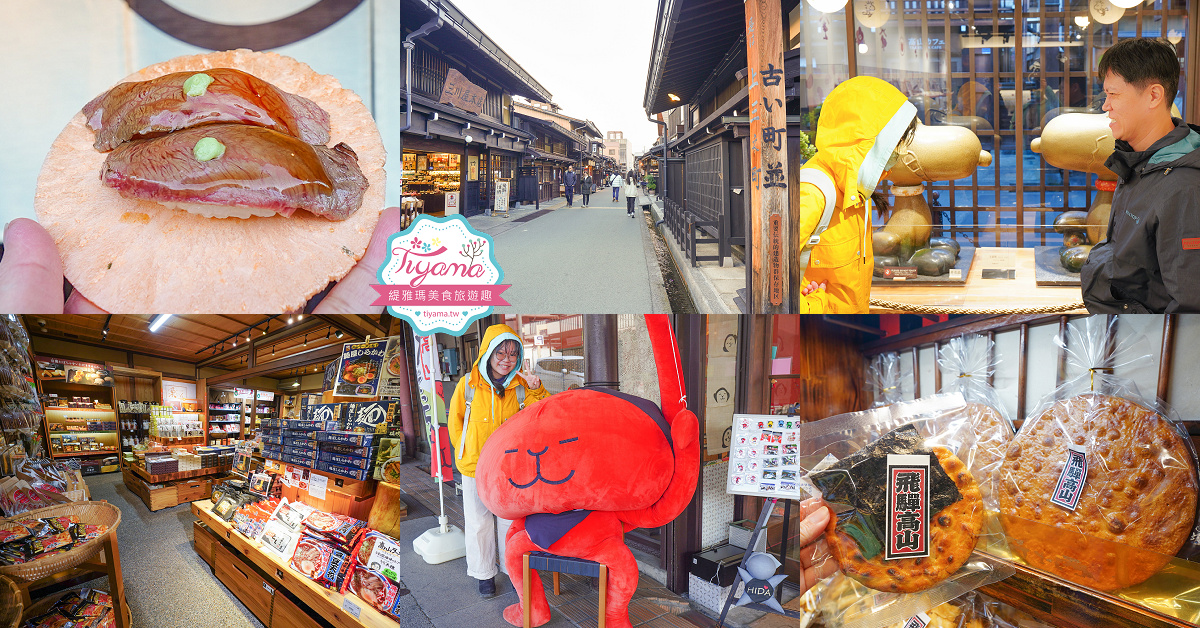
<point x="296" y="384"/>
<point x="268" y="328"/>
<point x="103" y="334"/>
<point x="272" y="349"/>
<point x="306" y="340"/>
<point x="338" y="334"/>
<point x="327" y="332"/>
<point x="290" y="319"/>
<point x="234" y="343"/>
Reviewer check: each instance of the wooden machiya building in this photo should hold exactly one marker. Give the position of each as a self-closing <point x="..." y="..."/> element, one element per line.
<point x="561" y="141"/>
<point x="1000" y="69"/>
<point x="463" y="136"/>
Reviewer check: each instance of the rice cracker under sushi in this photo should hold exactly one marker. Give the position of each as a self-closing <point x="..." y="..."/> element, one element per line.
<point x="129" y="255"/>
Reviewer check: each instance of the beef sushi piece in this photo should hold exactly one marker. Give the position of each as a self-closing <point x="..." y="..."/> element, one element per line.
<point x="234" y="170"/>
<point x="147" y="109"/>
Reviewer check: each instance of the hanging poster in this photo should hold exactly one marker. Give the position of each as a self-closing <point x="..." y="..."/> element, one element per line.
<point x="394" y="380"/>
<point x="720" y="380"/>
<point x="331" y="371"/>
<point x="361" y="364"/>
<point x="73" y="372"/>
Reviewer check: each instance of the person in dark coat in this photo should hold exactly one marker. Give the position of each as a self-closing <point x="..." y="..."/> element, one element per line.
<point x="569" y="181"/>
<point x="1150" y="261"/>
<point x="585" y="187"/>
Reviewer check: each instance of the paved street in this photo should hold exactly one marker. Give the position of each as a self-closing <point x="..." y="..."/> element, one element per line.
<point x="582" y="261"/>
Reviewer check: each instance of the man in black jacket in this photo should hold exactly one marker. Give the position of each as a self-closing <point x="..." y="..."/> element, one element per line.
<point x="1150" y="261"/>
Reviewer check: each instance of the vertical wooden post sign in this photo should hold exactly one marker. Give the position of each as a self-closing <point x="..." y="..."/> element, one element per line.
<point x="768" y="156"/>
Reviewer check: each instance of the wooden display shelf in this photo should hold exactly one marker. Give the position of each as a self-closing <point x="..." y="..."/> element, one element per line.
<point x="980" y="293"/>
<point x="141" y="472"/>
<point x="106" y="564"/>
<point x="69" y="454"/>
<point x="84" y="432"/>
<point x="1068" y="605"/>
<point x="342" y="611"/>
<point x="62" y="409"/>
<point x="178" y="488"/>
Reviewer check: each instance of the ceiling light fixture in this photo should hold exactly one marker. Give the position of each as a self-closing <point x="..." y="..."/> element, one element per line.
<point x="268" y="328"/>
<point x="290" y="319"/>
<point x="673" y="97"/>
<point x="327" y="332"/>
<point x="300" y="317"/>
<point x="158" y="321"/>
<point x="272" y="349"/>
<point x="338" y="334"/>
<point x="306" y="340"/>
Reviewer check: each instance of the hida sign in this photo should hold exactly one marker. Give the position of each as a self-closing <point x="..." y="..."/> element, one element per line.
<point x="441" y="275"/>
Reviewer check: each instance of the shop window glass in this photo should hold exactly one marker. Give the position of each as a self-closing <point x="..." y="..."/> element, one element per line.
<point x="1001" y="69"/>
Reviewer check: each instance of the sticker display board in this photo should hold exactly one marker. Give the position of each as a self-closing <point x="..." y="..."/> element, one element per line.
<point x="763" y="457"/>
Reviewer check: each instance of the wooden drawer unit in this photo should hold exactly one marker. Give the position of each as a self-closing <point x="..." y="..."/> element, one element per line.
<point x="244" y="582"/>
<point x="205" y="542"/>
<point x="192" y="490"/>
<point x="286" y="614"/>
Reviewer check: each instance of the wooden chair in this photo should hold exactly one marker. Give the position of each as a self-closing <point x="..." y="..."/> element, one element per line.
<point x="545" y="561"/>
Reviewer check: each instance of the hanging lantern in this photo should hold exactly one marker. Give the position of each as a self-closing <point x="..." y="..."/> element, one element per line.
<point x="872" y="13"/>
<point x="1105" y="12"/>
<point x="827" y="6"/>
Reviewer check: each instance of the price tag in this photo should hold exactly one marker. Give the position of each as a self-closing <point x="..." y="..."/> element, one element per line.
<point x="956" y="273"/>
<point x="350" y="607"/>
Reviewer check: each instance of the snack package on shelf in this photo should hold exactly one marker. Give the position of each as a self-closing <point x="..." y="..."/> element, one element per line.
<point x="1099" y="487"/>
<point x="374" y="589"/>
<point x="86" y="608"/>
<point x="26" y="540"/>
<point x="888" y="380"/>
<point x="967" y="364"/>
<point x="321" y="561"/>
<point x="907" y="513"/>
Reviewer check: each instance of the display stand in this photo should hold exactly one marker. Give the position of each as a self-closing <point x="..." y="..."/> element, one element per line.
<point x="768" y="508"/>
<point x="979" y="293"/>
<point x="173" y="492"/>
<point x="106" y="564"/>
<point x="268" y="585"/>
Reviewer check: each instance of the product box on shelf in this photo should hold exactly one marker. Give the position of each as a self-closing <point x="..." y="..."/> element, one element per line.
<point x="272" y="439"/>
<point x="299" y="451"/>
<point x="323" y="412"/>
<point x="344" y="471"/>
<point x="368" y="416"/>
<point x="304" y="461"/>
<point x="355" y="462"/>
<point x="271" y="424"/>
<point x="354" y="439"/>
<point x="311" y="425"/>
<point x="347" y="450"/>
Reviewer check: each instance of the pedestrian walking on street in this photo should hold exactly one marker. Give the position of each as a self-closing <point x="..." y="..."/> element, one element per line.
<point x="569" y="184"/>
<point x="485" y="398"/>
<point x="616" y="184"/>
<point x="631" y="193"/>
<point x="585" y="188"/>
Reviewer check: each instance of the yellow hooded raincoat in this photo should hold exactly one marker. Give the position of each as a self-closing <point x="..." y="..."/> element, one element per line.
<point x="862" y="122"/>
<point x="488" y="410"/>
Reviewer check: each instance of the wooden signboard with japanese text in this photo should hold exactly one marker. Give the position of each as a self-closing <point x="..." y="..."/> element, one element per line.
<point x="462" y="93"/>
<point x="501" y="198"/>
<point x="770" y="224"/>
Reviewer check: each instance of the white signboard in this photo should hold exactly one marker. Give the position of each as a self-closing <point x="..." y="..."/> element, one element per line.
<point x="451" y="203"/>
<point x="501" y="206"/>
<point x="763" y="456"/>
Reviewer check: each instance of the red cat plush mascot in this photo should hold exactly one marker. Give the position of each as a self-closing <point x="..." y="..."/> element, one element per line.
<point x="576" y="471"/>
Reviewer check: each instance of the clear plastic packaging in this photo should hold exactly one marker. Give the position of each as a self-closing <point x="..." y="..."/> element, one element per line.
<point x="839" y="594"/>
<point x="888" y="379"/>
<point x="1099" y="487"/>
<point x="967" y="364"/>
<point x="910" y="555"/>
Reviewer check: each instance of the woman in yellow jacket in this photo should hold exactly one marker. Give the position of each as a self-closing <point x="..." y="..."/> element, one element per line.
<point x="865" y="126"/>
<point x="497" y="392"/>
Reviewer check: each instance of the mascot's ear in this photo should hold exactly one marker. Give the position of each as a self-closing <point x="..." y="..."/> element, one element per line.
<point x="666" y="360"/>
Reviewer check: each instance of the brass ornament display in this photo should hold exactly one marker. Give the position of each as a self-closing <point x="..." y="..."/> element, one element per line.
<point x="1083" y="142"/>
<point x="937" y="153"/>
